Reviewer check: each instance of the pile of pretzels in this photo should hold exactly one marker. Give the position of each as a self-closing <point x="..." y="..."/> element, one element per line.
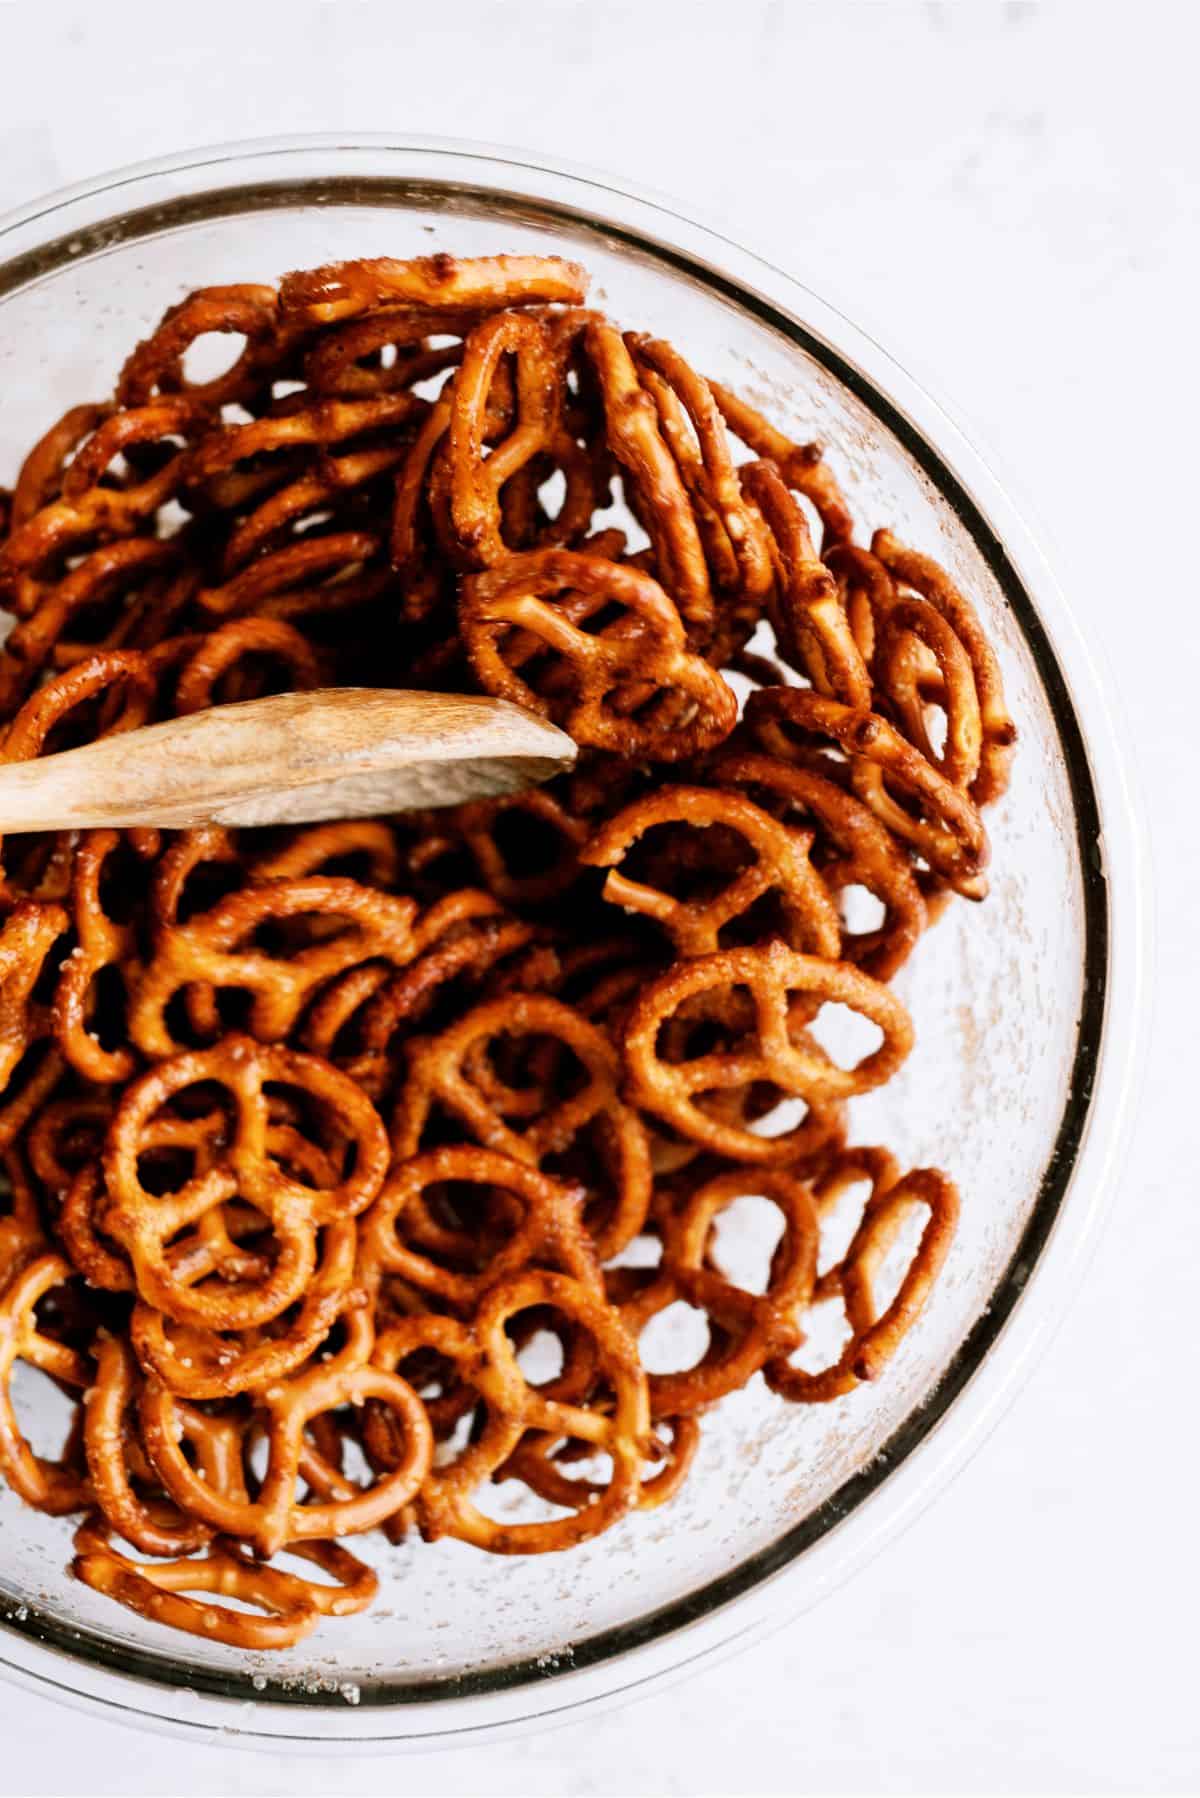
<point x="347" y="1167"/>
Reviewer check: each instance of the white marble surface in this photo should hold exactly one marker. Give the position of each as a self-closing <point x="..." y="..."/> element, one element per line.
<point x="1008" y="194"/>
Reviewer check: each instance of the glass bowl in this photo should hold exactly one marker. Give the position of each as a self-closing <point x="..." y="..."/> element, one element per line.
<point x="1027" y="1009"/>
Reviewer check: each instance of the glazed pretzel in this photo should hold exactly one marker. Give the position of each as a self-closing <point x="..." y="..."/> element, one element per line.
<point x="538" y="1460"/>
<point x="853" y="850"/>
<point x="100" y="943"/>
<point x="155" y="1528"/>
<point x="206" y="1364"/>
<point x="877" y="1333"/>
<point x="735" y="542"/>
<point x="187" y="854"/>
<point x="53" y="1486"/>
<point x="216" y="949"/>
<point x="91" y="510"/>
<point x="802" y="465"/>
<point x="22" y="1234"/>
<point x="223" y="653"/>
<point x="41" y="475"/>
<point x="292" y="1607"/>
<point x="468" y="936"/>
<point x="548" y="1228"/>
<point x="339" y="486"/>
<point x="450" y="1073"/>
<point x="99" y="683"/>
<point x="442" y="284"/>
<point x="919" y="660"/>
<point x="109" y="692"/>
<point x="62" y="1135"/>
<point x="369" y="843"/>
<point x="944" y="828"/>
<point x="26" y="938"/>
<point x="221" y="457"/>
<point x="109" y="574"/>
<point x="773" y="975"/>
<point x="347" y="359"/>
<point x="867" y="591"/>
<point x="30" y="1085"/>
<point x="477" y="483"/>
<point x="779" y="867"/>
<point x="216" y="1245"/>
<point x="156" y="366"/>
<point x="654" y="485"/>
<point x="935" y="586"/>
<point x="145" y="1224"/>
<point x="746" y="1329"/>
<point x="512" y="1406"/>
<point x="812" y="631"/>
<point x="319" y="849"/>
<point x="544" y="593"/>
<point x="416" y="554"/>
<point x="333" y="1506"/>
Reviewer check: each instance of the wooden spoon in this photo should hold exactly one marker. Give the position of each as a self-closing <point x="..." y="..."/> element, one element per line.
<point x="347" y="752"/>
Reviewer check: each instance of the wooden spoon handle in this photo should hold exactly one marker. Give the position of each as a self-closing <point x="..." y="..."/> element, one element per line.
<point x="346" y="752"/>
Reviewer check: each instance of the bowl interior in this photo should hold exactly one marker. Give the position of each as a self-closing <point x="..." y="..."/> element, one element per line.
<point x="991" y="1093"/>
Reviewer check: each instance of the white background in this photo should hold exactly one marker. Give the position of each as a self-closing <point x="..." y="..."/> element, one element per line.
<point x="1008" y="194"/>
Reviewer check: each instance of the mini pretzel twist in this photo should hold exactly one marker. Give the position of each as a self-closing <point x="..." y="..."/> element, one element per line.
<point x="852" y="850"/>
<point x="101" y="943"/>
<point x="53" y="1486"/>
<point x="369" y="843"/>
<point x="653" y="482"/>
<point x="467" y="936"/>
<point x="772" y="1050"/>
<point x="887" y="774"/>
<point x="480" y="825"/>
<point x="91" y="510"/>
<point x="106" y="577"/>
<point x="26" y="938"/>
<point x="450" y="1072"/>
<point x="918" y="661"/>
<point x="812" y="630"/>
<point x="223" y="651"/>
<point x="477" y="483"/>
<point x="548" y="1225"/>
<point x="347" y="359"/>
<point x="778" y="867"/>
<point x="334" y="1506"/>
<point x="867" y="590"/>
<point x="449" y="284"/>
<point x="736" y="544"/>
<point x="209" y="1364"/>
<point x="746" y="1329"/>
<point x="802" y="465"/>
<point x="552" y="595"/>
<point x="292" y="1607"/>
<point x="155" y="1528"/>
<point x="312" y="576"/>
<point x="935" y="586"/>
<point x="145" y="1224"/>
<point x="40" y="479"/>
<point x="485" y="1353"/>
<point x="156" y="366"/>
<point x="210" y="949"/>
<point x="539" y="1458"/>
<point x="876" y="1332"/>
<point x="219" y="459"/>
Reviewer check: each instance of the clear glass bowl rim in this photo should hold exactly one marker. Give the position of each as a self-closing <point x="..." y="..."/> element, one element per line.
<point x="997" y="1354"/>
